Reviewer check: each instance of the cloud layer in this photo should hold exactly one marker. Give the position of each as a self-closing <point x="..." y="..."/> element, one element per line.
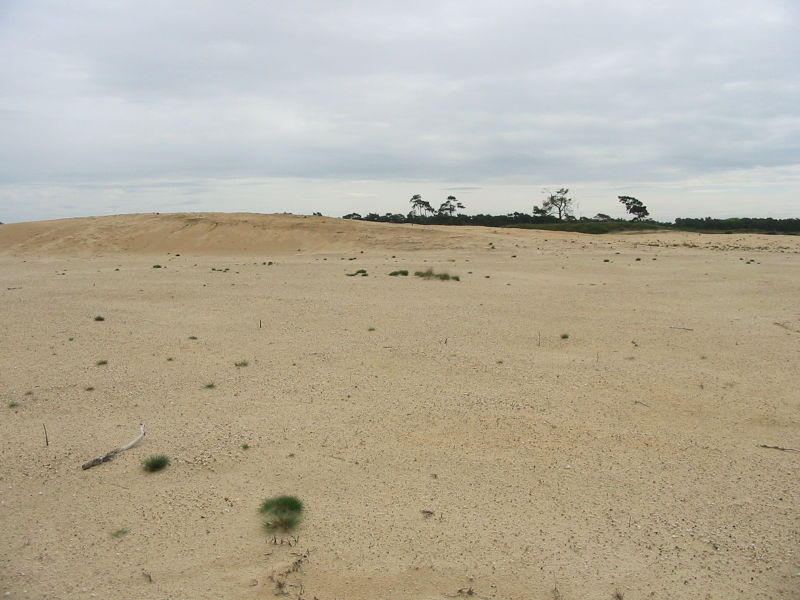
<point x="597" y="94"/>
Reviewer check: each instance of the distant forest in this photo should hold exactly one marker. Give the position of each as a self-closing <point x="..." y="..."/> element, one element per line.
<point x="556" y="214"/>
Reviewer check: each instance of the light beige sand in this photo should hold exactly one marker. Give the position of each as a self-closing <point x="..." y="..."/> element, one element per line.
<point x="623" y="459"/>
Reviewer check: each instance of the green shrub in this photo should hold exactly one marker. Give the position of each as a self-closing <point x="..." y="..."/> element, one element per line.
<point x="401" y="272"/>
<point x="284" y="513"/>
<point x="429" y="274"/>
<point x="154" y="463"/>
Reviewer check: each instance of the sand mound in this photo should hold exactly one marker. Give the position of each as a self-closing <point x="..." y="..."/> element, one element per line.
<point x="220" y="234"/>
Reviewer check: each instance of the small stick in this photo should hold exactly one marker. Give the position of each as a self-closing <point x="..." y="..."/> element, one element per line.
<point x="259" y="323"/>
<point x="46" y="441"/>
<point x="684" y="328"/>
<point x="640" y="402"/>
<point x="109" y="455"/>
<point x="778" y="448"/>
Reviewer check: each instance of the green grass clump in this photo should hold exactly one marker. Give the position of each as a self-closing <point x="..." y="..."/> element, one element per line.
<point x="429" y="274"/>
<point x="401" y="272"/>
<point x="241" y="363"/>
<point x="119" y="532"/>
<point x="13" y="404"/>
<point x="156" y="266"/>
<point x="99" y="318"/>
<point x="154" y="463"/>
<point x="564" y="336"/>
<point x="210" y="386"/>
<point x="284" y="513"/>
<point x="100" y="363"/>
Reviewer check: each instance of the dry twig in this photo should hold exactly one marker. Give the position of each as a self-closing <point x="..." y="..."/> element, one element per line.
<point x="778" y="448"/>
<point x="109" y="455"/>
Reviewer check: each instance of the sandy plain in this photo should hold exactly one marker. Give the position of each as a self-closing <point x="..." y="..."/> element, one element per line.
<point x="447" y="441"/>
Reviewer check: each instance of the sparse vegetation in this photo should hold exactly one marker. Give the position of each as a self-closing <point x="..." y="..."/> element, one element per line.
<point x="370" y="329"/>
<point x="241" y="363"/>
<point x="210" y="386"/>
<point x="284" y="513"/>
<point x="154" y="463"/>
<point x="13" y="404"/>
<point x="361" y="272"/>
<point x="119" y="532"/>
<point x="156" y="266"/>
<point x="429" y="274"/>
<point x="401" y="273"/>
<point x="89" y="389"/>
<point x="245" y="446"/>
<point x="564" y="336"/>
<point x="100" y="363"/>
<point x="192" y="337"/>
<point x="99" y="318"/>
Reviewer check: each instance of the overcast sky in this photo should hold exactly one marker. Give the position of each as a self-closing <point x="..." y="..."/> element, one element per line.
<point x="335" y="106"/>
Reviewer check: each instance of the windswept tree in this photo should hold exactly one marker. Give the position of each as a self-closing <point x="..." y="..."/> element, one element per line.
<point x="556" y="202"/>
<point x="634" y="207"/>
<point x="448" y="207"/>
<point x="420" y="206"/>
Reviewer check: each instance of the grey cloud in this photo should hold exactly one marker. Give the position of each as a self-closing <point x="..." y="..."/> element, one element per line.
<point x="476" y="91"/>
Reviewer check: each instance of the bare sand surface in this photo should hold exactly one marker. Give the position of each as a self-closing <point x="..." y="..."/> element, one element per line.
<point x="447" y="438"/>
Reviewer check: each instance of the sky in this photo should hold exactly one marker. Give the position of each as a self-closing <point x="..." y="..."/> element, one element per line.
<point x="339" y="106"/>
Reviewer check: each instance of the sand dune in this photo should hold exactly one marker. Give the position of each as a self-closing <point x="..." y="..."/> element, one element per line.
<point x="220" y="233"/>
<point x="250" y="233"/>
<point x="577" y="417"/>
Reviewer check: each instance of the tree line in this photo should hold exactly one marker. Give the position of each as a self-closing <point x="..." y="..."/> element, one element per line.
<point x="557" y="208"/>
<point x="557" y="211"/>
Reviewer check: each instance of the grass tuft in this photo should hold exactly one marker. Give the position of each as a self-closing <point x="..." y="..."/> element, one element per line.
<point x="241" y="363"/>
<point x="100" y="363"/>
<point x="119" y="532"/>
<point x="284" y="513"/>
<point x="280" y="504"/>
<point x="154" y="463"/>
<point x="99" y="318"/>
<point x="564" y="336"/>
<point x="361" y="272"/>
<point x="210" y="386"/>
<point x="401" y="272"/>
<point x="429" y="274"/>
